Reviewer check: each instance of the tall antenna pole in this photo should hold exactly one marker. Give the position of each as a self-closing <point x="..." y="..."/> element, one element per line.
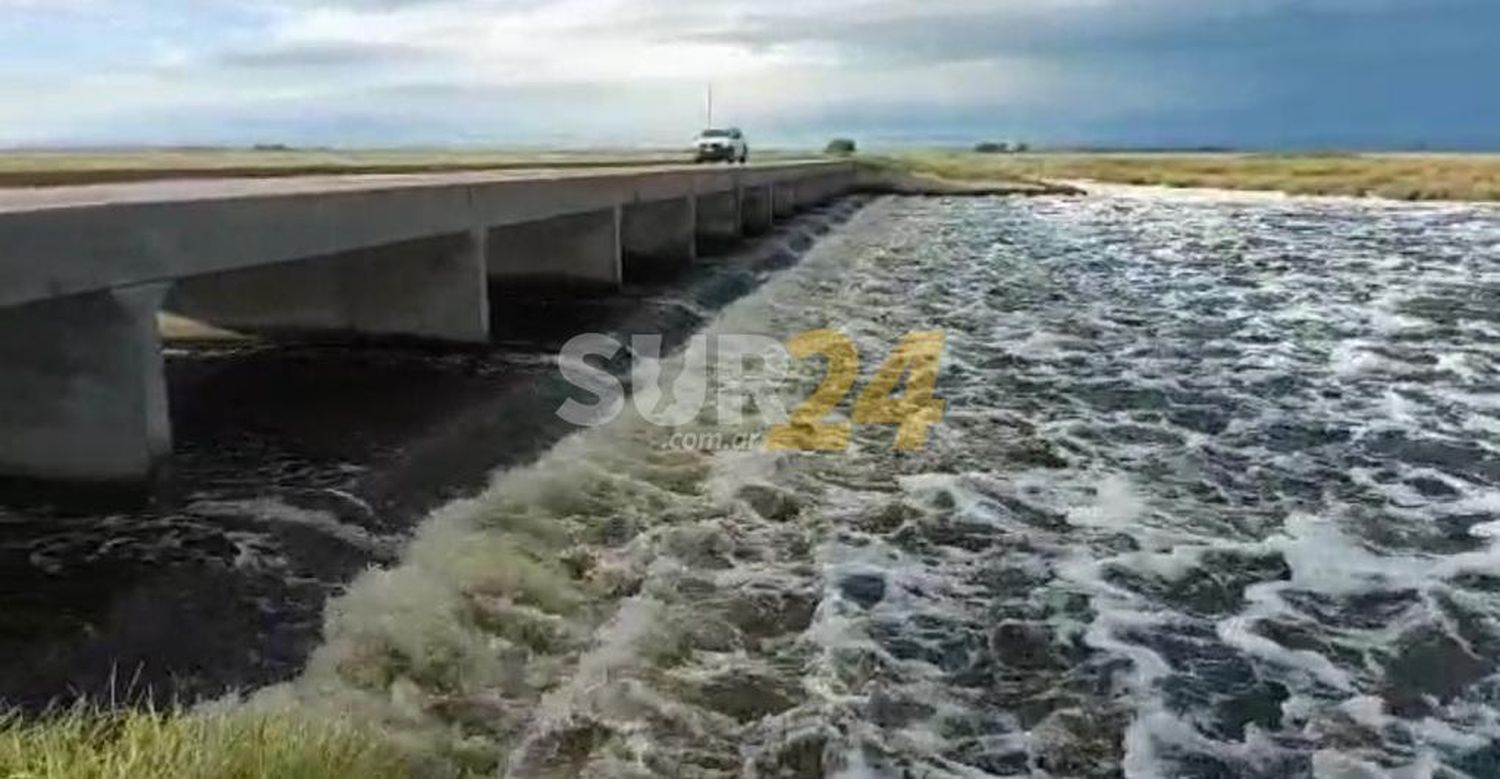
<point x="710" y="106"/>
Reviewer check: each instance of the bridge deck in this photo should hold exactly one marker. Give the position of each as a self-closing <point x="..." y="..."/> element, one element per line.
<point x="57" y="241"/>
<point x="20" y="199"/>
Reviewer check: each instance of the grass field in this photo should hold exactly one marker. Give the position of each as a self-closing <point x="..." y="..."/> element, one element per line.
<point x="84" y="743"/>
<point x="53" y="168"/>
<point x="1397" y="176"/>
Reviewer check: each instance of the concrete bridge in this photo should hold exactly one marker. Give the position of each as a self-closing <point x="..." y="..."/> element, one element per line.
<point x="84" y="271"/>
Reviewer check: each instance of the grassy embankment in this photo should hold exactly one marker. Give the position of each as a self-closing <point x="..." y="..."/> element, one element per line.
<point x="1396" y="176"/>
<point x="84" y="743"/>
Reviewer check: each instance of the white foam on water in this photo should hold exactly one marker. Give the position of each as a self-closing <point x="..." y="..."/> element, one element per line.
<point x="275" y="510"/>
<point x="1118" y="505"/>
<point x="1191" y="453"/>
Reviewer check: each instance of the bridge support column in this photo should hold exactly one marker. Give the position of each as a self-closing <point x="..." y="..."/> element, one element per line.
<point x="432" y="288"/>
<point x="577" y="250"/>
<point x="659" y="238"/>
<point x="82" y="394"/>
<point x="756" y="209"/>
<point x="720" y="224"/>
<point x="784" y="200"/>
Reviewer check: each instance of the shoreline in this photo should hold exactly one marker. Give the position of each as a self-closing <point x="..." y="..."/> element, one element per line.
<point x="1464" y="178"/>
<point x="1097" y="187"/>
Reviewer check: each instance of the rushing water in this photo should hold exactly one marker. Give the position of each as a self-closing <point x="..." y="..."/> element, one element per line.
<point x="1217" y="494"/>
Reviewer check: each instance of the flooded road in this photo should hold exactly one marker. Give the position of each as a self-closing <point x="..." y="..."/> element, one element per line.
<point x="1217" y="494"/>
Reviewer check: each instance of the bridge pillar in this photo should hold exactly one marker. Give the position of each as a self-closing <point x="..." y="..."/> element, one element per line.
<point x="756" y="209"/>
<point x="578" y="250"/>
<point x="784" y="200"/>
<point x="432" y="288"/>
<point x="659" y="238"/>
<point x="720" y="224"/>
<point x="82" y="394"/>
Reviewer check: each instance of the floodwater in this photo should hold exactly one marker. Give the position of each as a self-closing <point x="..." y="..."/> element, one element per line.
<point x="1217" y="494"/>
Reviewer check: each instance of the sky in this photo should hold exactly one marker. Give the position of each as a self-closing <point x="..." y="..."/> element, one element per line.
<point x="569" y="73"/>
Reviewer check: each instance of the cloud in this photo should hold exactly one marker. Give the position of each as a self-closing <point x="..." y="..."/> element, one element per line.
<point x="498" y="71"/>
<point x="324" y="54"/>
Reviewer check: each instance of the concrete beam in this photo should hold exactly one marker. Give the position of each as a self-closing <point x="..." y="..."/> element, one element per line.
<point x="720" y="224"/>
<point x="756" y="209"/>
<point x="82" y="394"/>
<point x="432" y="288"/>
<point x="578" y="250"/>
<point x="658" y="239"/>
<point x="783" y="200"/>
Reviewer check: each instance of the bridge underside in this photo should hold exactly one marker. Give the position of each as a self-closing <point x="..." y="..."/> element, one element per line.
<point x="82" y="393"/>
<point x="430" y="288"/>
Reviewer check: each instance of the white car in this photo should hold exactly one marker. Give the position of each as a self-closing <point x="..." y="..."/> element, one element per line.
<point x="721" y="146"/>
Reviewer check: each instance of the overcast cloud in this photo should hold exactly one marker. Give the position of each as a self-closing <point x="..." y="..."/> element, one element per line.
<point x="633" y="72"/>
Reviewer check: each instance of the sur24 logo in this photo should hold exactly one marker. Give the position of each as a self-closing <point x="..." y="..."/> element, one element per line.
<point x="913" y="409"/>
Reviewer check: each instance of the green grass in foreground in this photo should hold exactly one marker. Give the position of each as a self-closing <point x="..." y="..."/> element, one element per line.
<point x="85" y="743"/>
<point x="1397" y="176"/>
